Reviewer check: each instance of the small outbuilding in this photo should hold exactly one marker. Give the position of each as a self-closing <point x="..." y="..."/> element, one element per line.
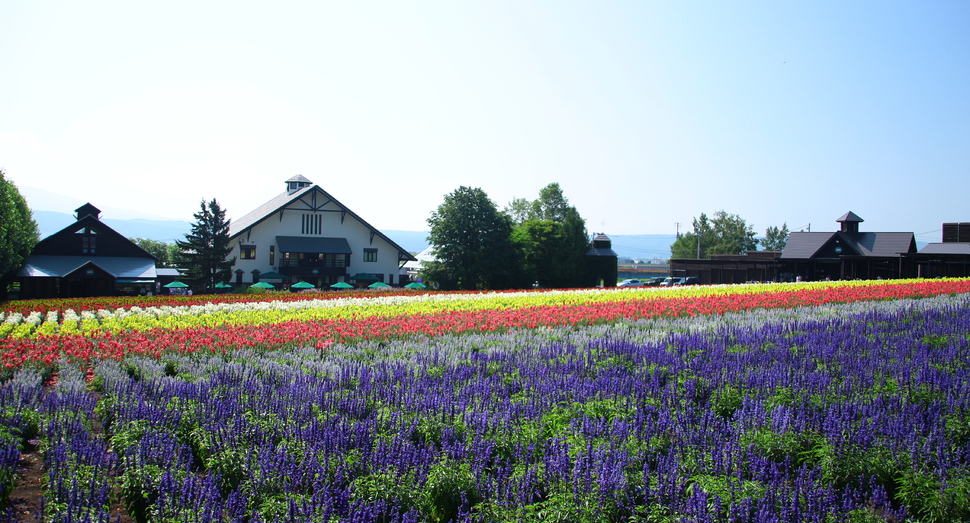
<point x="601" y="262"/>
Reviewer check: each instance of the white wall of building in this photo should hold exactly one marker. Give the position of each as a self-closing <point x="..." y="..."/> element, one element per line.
<point x="263" y="236"/>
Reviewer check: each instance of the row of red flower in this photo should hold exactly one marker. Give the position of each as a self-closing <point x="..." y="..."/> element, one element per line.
<point x="47" y="349"/>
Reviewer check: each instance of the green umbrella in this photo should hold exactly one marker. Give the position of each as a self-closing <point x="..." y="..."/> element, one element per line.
<point x="341" y="285"/>
<point x="378" y="285"/>
<point x="302" y="285"/>
<point x="416" y="285"/>
<point x="223" y="285"/>
<point x="271" y="276"/>
<point x="175" y="285"/>
<point x="262" y="285"/>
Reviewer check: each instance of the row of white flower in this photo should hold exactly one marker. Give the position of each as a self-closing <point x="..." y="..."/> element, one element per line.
<point x="37" y="322"/>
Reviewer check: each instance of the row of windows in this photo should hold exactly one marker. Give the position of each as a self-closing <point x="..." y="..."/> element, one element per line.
<point x="302" y="259"/>
<point x="248" y="252"/>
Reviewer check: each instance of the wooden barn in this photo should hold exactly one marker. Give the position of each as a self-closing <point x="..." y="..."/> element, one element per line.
<point x="86" y="258"/>
<point x="847" y="254"/>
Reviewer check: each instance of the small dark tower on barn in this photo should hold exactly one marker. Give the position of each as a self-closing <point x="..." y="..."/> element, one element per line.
<point x="601" y="262"/>
<point x="850" y="222"/>
<point x="88" y="210"/>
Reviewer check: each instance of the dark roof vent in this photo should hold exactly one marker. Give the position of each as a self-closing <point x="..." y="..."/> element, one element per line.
<point x="601" y="246"/>
<point x="88" y="210"/>
<point x="956" y="232"/>
<point x="850" y="222"/>
<point x="296" y="183"/>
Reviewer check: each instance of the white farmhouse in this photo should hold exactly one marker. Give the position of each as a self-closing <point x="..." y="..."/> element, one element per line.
<point x="306" y="234"/>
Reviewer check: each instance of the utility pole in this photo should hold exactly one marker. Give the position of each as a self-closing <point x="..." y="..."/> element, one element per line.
<point x="678" y="228"/>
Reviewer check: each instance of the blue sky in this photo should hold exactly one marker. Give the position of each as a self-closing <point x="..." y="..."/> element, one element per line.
<point x="646" y="113"/>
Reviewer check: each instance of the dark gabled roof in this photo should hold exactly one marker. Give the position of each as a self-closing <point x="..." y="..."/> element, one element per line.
<point x="313" y="244"/>
<point x="54" y="244"/>
<point x="261" y="213"/>
<point x="850" y="217"/>
<point x="601" y="246"/>
<point x="804" y="245"/>
<point x="946" y="248"/>
<point x="884" y="244"/>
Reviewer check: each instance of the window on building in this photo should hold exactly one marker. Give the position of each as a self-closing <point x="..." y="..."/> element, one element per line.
<point x="272" y="255"/>
<point x="247" y="252"/>
<point x="88" y="237"/>
<point x="370" y="255"/>
<point x="88" y="244"/>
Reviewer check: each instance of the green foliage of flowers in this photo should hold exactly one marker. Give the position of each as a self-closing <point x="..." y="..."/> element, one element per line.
<point x="856" y="411"/>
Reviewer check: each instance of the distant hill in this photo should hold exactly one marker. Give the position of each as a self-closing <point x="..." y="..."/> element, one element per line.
<point x="638" y="246"/>
<point x="168" y="231"/>
<point x="159" y="230"/>
<point x="411" y="241"/>
<point x="644" y="247"/>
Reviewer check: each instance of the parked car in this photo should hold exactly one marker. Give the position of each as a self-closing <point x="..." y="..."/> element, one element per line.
<point x="690" y="280"/>
<point x="670" y="282"/>
<point x="653" y="282"/>
<point x="630" y="283"/>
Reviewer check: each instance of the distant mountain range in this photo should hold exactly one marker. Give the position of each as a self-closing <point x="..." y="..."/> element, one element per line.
<point x="637" y="246"/>
<point x="135" y="224"/>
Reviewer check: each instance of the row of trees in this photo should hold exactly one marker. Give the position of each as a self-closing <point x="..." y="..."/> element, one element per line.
<point x="725" y="234"/>
<point x="477" y="246"/>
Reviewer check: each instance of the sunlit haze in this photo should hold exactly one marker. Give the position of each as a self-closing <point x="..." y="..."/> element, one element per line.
<point x="647" y="113"/>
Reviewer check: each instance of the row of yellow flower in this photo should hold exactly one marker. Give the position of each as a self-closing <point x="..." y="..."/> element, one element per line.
<point x="268" y="312"/>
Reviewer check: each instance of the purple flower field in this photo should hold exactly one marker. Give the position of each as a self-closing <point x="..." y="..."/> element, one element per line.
<point x="857" y="412"/>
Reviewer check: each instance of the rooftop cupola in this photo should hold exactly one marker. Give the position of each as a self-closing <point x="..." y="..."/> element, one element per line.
<point x="296" y="183"/>
<point x="88" y="210"/>
<point x="850" y="222"/>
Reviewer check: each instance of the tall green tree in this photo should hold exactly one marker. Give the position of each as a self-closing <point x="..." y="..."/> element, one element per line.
<point x="204" y="255"/>
<point x="551" y="204"/>
<point x="536" y="241"/>
<point x="551" y="239"/>
<point x="775" y="239"/>
<point x="18" y="232"/>
<point x="472" y="243"/>
<point x="573" y="244"/>
<point x="520" y="210"/>
<point x="158" y="249"/>
<point x="723" y="234"/>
